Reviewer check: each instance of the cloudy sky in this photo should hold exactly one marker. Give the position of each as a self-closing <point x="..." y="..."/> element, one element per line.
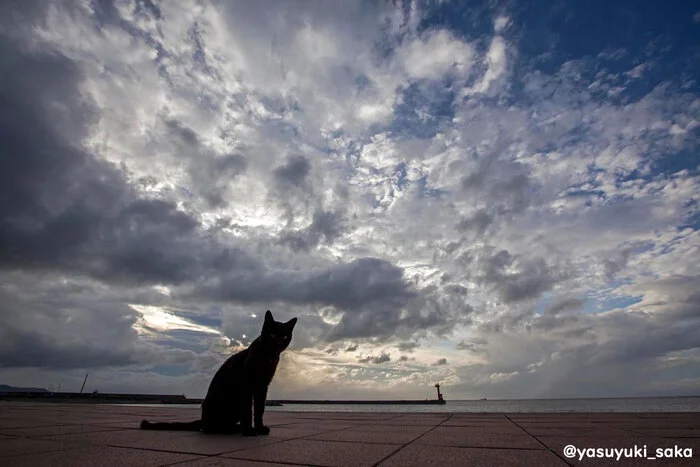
<point x="498" y="196"/>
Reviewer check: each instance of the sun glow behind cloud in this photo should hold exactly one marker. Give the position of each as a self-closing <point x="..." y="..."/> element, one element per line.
<point x="154" y="320"/>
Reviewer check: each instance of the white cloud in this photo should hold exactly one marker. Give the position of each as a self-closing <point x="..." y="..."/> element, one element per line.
<point x="435" y="55"/>
<point x="501" y="23"/>
<point x="496" y="61"/>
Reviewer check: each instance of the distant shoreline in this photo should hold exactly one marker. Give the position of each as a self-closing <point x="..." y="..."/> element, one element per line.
<point x="107" y="398"/>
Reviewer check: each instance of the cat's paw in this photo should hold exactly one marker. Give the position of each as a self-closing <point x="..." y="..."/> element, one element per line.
<point x="249" y="431"/>
<point x="262" y="430"/>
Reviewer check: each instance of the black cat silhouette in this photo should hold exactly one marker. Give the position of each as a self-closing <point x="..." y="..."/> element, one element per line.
<point x="240" y="384"/>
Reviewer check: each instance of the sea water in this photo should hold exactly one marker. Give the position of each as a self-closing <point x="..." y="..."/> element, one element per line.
<point x="636" y="404"/>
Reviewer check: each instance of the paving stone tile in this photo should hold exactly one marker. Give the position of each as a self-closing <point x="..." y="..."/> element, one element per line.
<point x="99" y="457"/>
<point x="325" y="453"/>
<point x="292" y="431"/>
<point x="277" y="419"/>
<point x="320" y="426"/>
<point x="649" y="423"/>
<point x="417" y="416"/>
<point x="466" y="437"/>
<point x="415" y="429"/>
<point x="394" y="422"/>
<point x="476" y="422"/>
<point x="670" y="432"/>
<point x="34" y="432"/>
<point x="15" y="446"/>
<point x="548" y="421"/>
<point x="24" y="423"/>
<point x="76" y="420"/>
<point x="281" y="423"/>
<point x="492" y="428"/>
<point x="185" y="442"/>
<point x="563" y="423"/>
<point x="576" y="431"/>
<point x="420" y="456"/>
<point x="130" y="425"/>
<point x="375" y="422"/>
<point x="388" y="437"/>
<point x="481" y="416"/>
<point x="225" y="462"/>
<point x="345" y="418"/>
<point x="420" y="421"/>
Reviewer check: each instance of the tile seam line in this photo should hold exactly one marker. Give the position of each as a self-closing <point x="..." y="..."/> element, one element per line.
<point x="239" y="459"/>
<point x="540" y="442"/>
<point x="396" y="451"/>
<point x="411" y="441"/>
<point x="203" y="456"/>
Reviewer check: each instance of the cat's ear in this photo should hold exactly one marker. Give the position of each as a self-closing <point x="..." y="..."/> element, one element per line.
<point x="268" y="317"/>
<point x="290" y="324"/>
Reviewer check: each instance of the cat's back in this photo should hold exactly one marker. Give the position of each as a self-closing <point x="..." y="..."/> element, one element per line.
<point x="236" y="360"/>
<point x="230" y="369"/>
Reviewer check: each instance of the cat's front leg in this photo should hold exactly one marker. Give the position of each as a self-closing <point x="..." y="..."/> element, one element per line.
<point x="247" y="414"/>
<point x="260" y="396"/>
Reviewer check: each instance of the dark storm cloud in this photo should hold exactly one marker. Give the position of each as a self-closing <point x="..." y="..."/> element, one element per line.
<point x="293" y="188"/>
<point x="325" y="227"/>
<point x="668" y="318"/>
<point x="638" y="345"/>
<point x="505" y="185"/>
<point x="615" y="263"/>
<point x="16" y="16"/>
<point x="533" y="275"/>
<point x="293" y="172"/>
<point x="210" y="173"/>
<point x="65" y="211"/>
<point x="564" y="305"/>
<point x="212" y="176"/>
<point x="477" y="223"/>
<point x="33" y="349"/>
<point x="346" y="286"/>
<point x="376" y="359"/>
<point x="407" y="346"/>
<point x="59" y="327"/>
<point x="475" y="344"/>
<point x="61" y="332"/>
<point x="179" y="130"/>
<point x="661" y="336"/>
<point x="400" y="317"/>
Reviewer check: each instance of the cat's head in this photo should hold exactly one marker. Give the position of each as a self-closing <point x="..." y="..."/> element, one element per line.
<point x="276" y="335"/>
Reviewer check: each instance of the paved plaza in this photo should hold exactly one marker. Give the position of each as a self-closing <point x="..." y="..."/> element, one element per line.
<point x="38" y="434"/>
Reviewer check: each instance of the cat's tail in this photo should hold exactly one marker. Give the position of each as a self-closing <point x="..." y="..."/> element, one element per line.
<point x="172" y="426"/>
